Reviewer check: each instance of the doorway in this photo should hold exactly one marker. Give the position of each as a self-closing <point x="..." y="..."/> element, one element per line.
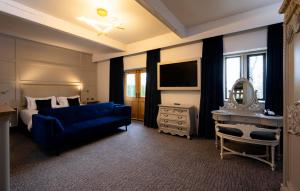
<point x="135" y="90"/>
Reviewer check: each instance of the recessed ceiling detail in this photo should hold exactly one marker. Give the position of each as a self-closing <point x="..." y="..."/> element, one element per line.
<point x="104" y="23"/>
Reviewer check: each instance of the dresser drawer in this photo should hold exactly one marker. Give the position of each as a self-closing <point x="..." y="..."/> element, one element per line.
<point x="174" y="123"/>
<point x="173" y="117"/>
<point x="167" y="110"/>
<point x="170" y="126"/>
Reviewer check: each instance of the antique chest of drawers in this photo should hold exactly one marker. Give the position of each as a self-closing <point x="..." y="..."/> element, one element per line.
<point x="176" y="120"/>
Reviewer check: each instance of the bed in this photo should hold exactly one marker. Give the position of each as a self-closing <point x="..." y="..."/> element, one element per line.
<point x="40" y="91"/>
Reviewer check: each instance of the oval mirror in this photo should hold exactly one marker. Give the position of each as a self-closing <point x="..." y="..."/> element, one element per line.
<point x="243" y="92"/>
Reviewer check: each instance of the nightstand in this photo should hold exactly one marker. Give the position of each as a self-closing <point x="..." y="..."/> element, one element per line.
<point x="14" y="117"/>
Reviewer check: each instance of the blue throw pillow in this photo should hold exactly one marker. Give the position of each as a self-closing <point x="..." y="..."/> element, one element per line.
<point x="73" y="101"/>
<point x="43" y="104"/>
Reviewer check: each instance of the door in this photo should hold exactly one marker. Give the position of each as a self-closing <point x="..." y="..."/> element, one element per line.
<point x="135" y="89"/>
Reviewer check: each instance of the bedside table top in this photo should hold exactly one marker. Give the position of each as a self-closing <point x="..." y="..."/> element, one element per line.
<point x="6" y="109"/>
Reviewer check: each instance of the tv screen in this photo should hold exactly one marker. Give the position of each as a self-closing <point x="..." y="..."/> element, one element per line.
<point x="182" y="74"/>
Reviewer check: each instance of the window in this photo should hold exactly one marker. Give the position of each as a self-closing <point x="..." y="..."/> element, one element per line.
<point x="251" y="65"/>
<point x="143" y="84"/>
<point x="130" y="83"/>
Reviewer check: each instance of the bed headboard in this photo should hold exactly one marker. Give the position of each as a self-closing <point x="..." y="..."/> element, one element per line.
<point x="46" y="90"/>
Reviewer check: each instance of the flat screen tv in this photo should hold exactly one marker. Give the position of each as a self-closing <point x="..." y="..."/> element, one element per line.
<point x="181" y="75"/>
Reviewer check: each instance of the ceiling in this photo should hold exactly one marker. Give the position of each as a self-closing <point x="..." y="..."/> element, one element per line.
<point x="14" y="26"/>
<point x="195" y="12"/>
<point x="139" y="24"/>
<point x="148" y="24"/>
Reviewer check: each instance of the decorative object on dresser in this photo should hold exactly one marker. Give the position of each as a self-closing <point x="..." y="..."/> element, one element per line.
<point x="242" y="120"/>
<point x="176" y="119"/>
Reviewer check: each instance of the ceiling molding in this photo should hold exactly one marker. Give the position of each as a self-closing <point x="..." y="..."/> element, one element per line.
<point x="269" y="13"/>
<point x="241" y="22"/>
<point x="19" y="10"/>
<point x="161" y="12"/>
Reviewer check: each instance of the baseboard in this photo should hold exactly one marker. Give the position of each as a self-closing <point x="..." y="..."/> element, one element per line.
<point x="283" y="188"/>
<point x="287" y="187"/>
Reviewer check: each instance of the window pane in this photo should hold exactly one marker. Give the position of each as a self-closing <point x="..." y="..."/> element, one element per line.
<point x="143" y="84"/>
<point x="130" y="83"/>
<point x="232" y="73"/>
<point x="256" y="74"/>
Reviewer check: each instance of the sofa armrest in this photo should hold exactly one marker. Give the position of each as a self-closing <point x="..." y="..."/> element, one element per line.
<point x="45" y="129"/>
<point x="123" y="110"/>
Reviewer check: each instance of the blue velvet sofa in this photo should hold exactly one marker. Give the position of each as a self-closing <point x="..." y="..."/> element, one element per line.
<point x="51" y="128"/>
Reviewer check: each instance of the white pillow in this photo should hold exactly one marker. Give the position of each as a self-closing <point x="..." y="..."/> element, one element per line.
<point x="32" y="105"/>
<point x="63" y="101"/>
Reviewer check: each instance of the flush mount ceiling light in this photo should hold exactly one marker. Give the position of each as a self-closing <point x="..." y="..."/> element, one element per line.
<point x="104" y="24"/>
<point x="102" y="12"/>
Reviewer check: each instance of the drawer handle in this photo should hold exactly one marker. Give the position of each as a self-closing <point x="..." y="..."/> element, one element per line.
<point x="179" y="128"/>
<point x="179" y="117"/>
<point x="179" y="123"/>
<point x="166" y="121"/>
<point x="166" y="115"/>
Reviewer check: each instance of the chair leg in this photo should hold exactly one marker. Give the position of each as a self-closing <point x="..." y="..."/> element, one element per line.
<point x="222" y="144"/>
<point x="216" y="141"/>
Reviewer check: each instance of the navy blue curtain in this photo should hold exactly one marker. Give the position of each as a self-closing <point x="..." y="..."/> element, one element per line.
<point x="152" y="98"/>
<point x="274" y="80"/>
<point x="116" y="80"/>
<point x="211" y="84"/>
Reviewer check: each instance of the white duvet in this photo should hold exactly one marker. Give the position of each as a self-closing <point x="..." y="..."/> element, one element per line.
<point x="26" y="116"/>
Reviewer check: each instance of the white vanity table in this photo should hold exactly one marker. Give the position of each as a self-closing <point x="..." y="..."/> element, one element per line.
<point x="5" y="112"/>
<point x="231" y="116"/>
<point x="242" y="120"/>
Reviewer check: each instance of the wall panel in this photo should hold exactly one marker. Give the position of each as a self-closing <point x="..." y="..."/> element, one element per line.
<point x="24" y="61"/>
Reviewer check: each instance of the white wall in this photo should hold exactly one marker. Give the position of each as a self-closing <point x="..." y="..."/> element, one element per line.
<point x="103" y="81"/>
<point x="249" y="40"/>
<point x="176" y="54"/>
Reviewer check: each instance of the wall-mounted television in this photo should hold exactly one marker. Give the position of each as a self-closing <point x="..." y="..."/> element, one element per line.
<point x="181" y="75"/>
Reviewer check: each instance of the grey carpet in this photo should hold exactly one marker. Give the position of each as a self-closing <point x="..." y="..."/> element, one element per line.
<point x="139" y="159"/>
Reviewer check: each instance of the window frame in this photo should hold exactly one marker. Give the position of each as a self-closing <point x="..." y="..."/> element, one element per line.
<point x="225" y="73"/>
<point x="244" y="69"/>
<point x="264" y="54"/>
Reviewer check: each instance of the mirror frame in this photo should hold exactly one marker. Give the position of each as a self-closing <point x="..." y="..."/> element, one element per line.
<point x="231" y="93"/>
<point x="252" y="106"/>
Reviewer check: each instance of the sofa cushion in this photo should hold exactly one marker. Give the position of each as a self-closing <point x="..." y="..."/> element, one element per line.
<point x="263" y="135"/>
<point x="74" y="114"/>
<point x="231" y="131"/>
<point x="96" y="124"/>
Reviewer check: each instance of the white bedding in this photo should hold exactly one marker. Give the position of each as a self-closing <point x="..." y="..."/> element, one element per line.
<point x="26" y="116"/>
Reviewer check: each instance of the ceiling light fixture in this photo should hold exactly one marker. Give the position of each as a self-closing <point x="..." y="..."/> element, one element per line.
<point x="102" y="12"/>
<point x="104" y="24"/>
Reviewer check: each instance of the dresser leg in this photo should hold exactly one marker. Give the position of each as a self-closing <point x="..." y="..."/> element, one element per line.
<point x="188" y="137"/>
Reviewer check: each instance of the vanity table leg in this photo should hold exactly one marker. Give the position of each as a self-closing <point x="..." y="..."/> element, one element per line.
<point x="267" y="152"/>
<point x="278" y="152"/>
<point x="273" y="157"/>
<point x="222" y="144"/>
<point x="216" y="137"/>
